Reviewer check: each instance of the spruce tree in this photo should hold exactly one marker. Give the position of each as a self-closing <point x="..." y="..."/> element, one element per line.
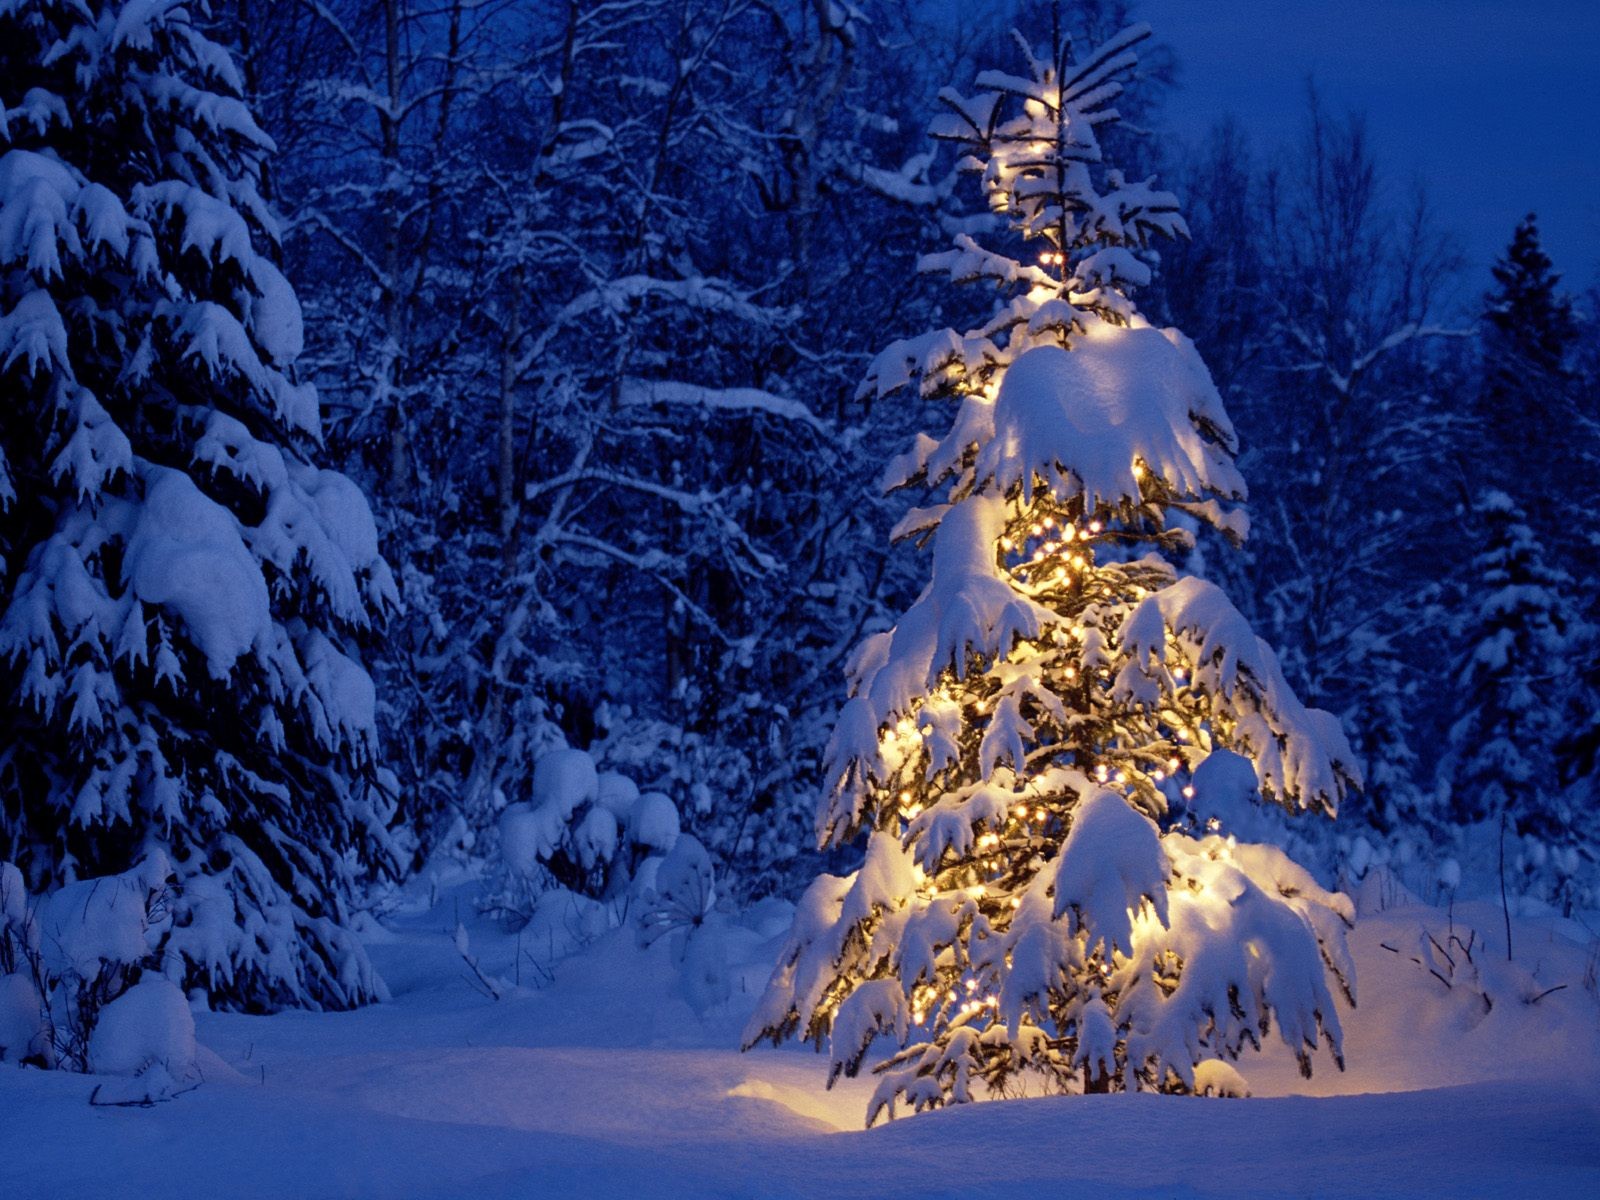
<point x="182" y="588"/>
<point x="1526" y="407"/>
<point x="1023" y="750"/>
<point x="1519" y="635"/>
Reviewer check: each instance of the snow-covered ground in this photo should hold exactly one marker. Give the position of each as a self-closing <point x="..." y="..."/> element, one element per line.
<point x="605" y="1083"/>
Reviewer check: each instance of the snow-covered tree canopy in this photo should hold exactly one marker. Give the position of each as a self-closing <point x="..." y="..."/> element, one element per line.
<point x="1023" y="746"/>
<point x="182" y="588"/>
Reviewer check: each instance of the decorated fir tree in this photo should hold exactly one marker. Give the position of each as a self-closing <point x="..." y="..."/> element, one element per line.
<point x="1026" y="751"/>
<point x="182" y="589"/>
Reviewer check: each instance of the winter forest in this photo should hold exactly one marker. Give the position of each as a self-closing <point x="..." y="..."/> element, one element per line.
<point x="780" y="598"/>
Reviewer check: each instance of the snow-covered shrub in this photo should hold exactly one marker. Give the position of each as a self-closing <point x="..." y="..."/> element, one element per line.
<point x="582" y="830"/>
<point x="80" y="985"/>
<point x="678" y="902"/>
<point x="146" y="1035"/>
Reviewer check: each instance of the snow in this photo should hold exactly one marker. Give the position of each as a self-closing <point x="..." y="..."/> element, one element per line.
<point x="23" y="1031"/>
<point x="148" y="1024"/>
<point x="1080" y="420"/>
<point x="564" y="779"/>
<point x="607" y="1083"/>
<point x="187" y="554"/>
<point x="617" y="793"/>
<point x="654" y="822"/>
<point x="1110" y="866"/>
<point x="100" y="921"/>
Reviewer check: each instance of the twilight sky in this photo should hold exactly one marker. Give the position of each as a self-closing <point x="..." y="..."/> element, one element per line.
<point x="1494" y="104"/>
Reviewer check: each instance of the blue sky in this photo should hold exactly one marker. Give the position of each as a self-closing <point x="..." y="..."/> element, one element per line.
<point x="1494" y="104"/>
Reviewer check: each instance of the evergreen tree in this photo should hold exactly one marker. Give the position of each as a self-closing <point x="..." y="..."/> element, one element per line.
<point x="1021" y="750"/>
<point x="1519" y="635"/>
<point x="1526" y="408"/>
<point x="183" y="588"/>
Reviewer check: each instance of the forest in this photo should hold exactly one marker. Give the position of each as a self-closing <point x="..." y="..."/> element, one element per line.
<point x="662" y="527"/>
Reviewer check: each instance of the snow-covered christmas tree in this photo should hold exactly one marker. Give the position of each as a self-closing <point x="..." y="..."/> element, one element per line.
<point x="1027" y="751"/>
<point x="182" y="589"/>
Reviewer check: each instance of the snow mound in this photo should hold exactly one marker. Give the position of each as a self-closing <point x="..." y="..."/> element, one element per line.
<point x="148" y="1024"/>
<point x="24" y="1032"/>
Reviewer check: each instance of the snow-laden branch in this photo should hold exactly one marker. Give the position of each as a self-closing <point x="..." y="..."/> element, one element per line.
<point x="737" y="399"/>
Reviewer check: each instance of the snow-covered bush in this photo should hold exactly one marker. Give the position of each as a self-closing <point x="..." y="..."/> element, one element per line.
<point x="183" y="589"/>
<point x="80" y="985"/>
<point x="582" y="830"/>
<point x="678" y="902"/>
<point x="1039" y="906"/>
